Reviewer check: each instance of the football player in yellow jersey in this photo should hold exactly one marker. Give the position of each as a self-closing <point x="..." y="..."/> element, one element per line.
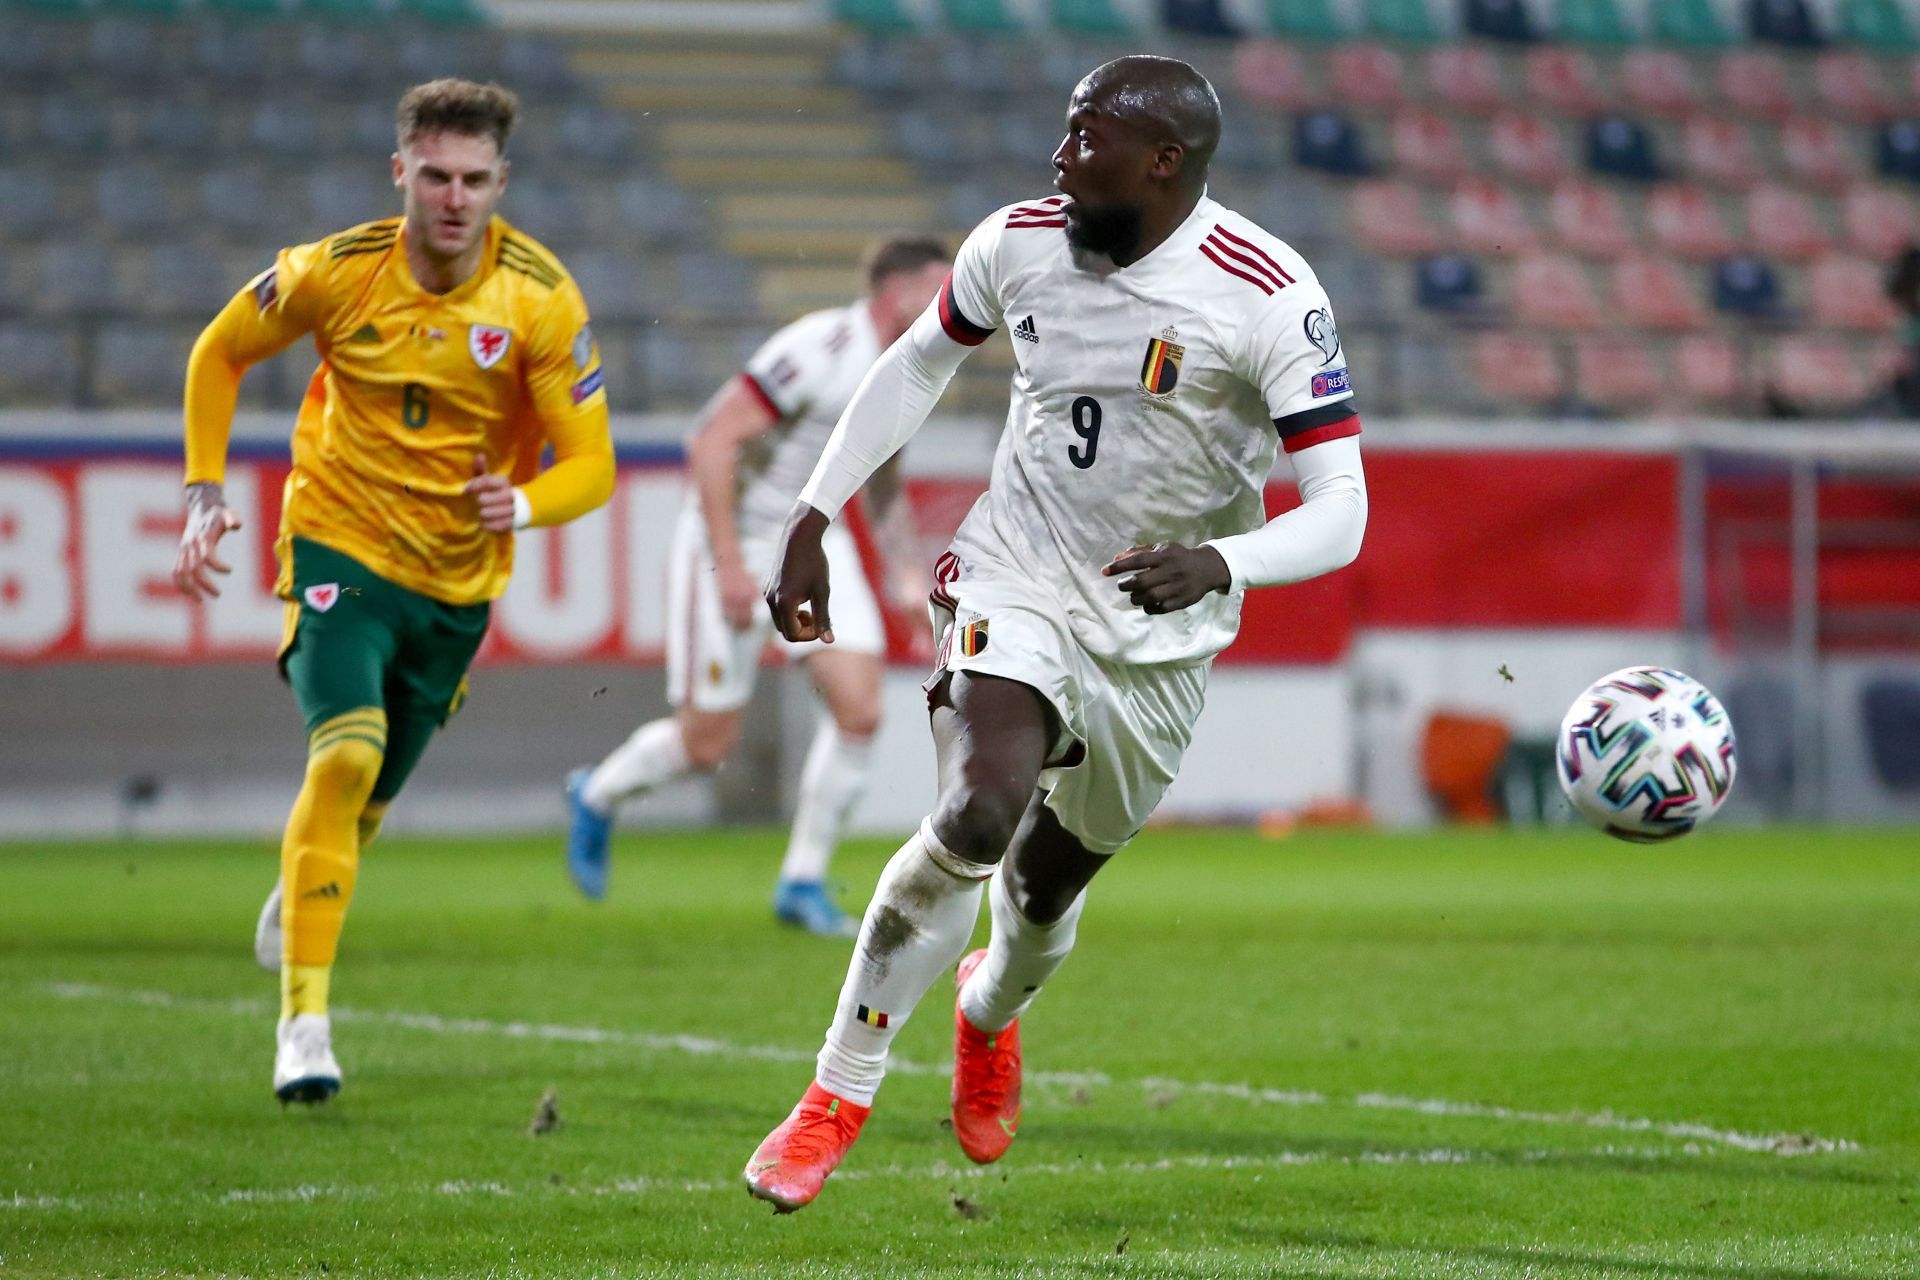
<point x="453" y="349"/>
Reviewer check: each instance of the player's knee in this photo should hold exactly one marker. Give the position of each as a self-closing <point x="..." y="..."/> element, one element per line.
<point x="978" y="824"/>
<point x="1040" y="904"/>
<point x="709" y="740"/>
<point x="346" y="768"/>
<point x="857" y="723"/>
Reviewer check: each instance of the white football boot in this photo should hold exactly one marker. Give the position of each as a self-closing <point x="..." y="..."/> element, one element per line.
<point x="304" y="1069"/>
<point x="266" y="933"/>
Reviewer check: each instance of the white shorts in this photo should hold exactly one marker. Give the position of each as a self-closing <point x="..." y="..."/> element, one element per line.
<point x="1123" y="727"/>
<point x="711" y="666"/>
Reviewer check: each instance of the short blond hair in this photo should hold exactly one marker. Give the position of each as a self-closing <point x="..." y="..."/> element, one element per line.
<point x="452" y="105"/>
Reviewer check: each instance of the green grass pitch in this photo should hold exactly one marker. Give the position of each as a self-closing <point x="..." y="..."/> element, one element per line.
<point x="1458" y="1055"/>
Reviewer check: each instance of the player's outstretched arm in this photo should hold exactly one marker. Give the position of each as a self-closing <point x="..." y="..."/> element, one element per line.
<point x="736" y="414"/>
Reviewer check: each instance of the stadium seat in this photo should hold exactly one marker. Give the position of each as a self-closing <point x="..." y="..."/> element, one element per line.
<point x="1685" y="221"/>
<point x="1783" y="224"/>
<point x="1879" y="222"/>
<point x="615" y="285"/>
<point x="1302" y="211"/>
<point x="979" y="67"/>
<point x="1357" y="283"/>
<point x="874" y="15"/>
<point x="284" y="130"/>
<point x="1819" y="152"/>
<point x="1746" y="286"/>
<point x="1368" y="75"/>
<point x="1498" y="20"/>
<point x="1426" y="145"/>
<point x="229" y="54"/>
<point x="1616" y="373"/>
<point x="1787" y="22"/>
<point x="1408" y="20"/>
<point x="1694" y="24"/>
<point x="1890" y="710"/>
<point x="713" y="284"/>
<point x="73" y="124"/>
<point x="132" y="201"/>
<point x="246" y="8"/>
<point x="1489" y="218"/>
<point x="1391" y="217"/>
<point x="1719" y="152"/>
<point x="348" y="195"/>
<point x="1529" y="149"/>
<point x="1517" y="369"/>
<point x="1848" y="86"/>
<point x="336" y="60"/>
<point x="183" y="278"/>
<point x="1198" y="18"/>
<point x="1618" y="147"/>
<point x="29" y="59"/>
<point x="552" y="210"/>
<point x="980" y="17"/>
<point x="1878" y="24"/>
<point x="1274" y="75"/>
<point x="29" y="201"/>
<point x="1659" y="82"/>
<point x="1092" y="17"/>
<point x="1655" y="293"/>
<point x="1755" y="83"/>
<point x="1430" y="373"/>
<point x="1448" y="283"/>
<point x="1466" y="77"/>
<point x="1330" y="142"/>
<point x="39" y="364"/>
<point x="1552" y="290"/>
<point x="1304" y="19"/>
<point x="443" y="12"/>
<point x="1589" y="219"/>
<point x="536" y="65"/>
<point x="1591" y="22"/>
<point x="1566" y="80"/>
<point x="1850" y="293"/>
<point x="595" y="135"/>
<point x="1249" y="151"/>
<point x="78" y="279"/>
<point x="1897" y="151"/>
<point x="230" y="201"/>
<point x="121" y="49"/>
<point x="188" y="131"/>
<point x="655" y="210"/>
<point x="1821" y="375"/>
<point x="139" y="363"/>
<point x="1709" y="370"/>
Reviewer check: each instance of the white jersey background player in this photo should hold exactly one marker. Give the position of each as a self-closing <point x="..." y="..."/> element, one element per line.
<point x="756" y="444"/>
<point x="1166" y="350"/>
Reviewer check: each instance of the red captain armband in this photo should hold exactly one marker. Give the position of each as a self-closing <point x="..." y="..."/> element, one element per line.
<point x="1310" y="427"/>
<point x="958" y="327"/>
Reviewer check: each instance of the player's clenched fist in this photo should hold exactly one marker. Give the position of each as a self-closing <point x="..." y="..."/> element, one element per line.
<point x="492" y="496"/>
<point x="208" y="517"/>
<point x="1167" y="577"/>
<point x="797" y="591"/>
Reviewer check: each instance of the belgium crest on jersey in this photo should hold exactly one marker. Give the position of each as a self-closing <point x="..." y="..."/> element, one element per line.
<point x="1161" y="369"/>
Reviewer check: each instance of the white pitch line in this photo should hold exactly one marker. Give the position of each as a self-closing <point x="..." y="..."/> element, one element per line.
<point x="460" y="1188"/>
<point x="1777" y="1144"/>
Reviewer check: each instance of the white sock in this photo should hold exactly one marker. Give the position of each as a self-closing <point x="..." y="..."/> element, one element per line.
<point x="653" y="755"/>
<point x="832" y="783"/>
<point x="918" y="924"/>
<point x="1020" y="959"/>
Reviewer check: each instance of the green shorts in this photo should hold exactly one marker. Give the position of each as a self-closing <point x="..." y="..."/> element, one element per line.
<point x="354" y="639"/>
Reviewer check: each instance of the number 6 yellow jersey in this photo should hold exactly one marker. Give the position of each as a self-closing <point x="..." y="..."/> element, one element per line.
<point x="412" y="387"/>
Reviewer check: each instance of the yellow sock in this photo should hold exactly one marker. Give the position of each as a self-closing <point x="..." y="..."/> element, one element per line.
<point x="320" y="856"/>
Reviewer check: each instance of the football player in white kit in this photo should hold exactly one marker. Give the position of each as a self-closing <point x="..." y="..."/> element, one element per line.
<point x="1166" y="350"/>
<point x="757" y="442"/>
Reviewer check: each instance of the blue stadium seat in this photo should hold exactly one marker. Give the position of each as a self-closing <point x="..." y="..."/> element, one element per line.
<point x="714" y="285"/>
<point x="336" y="60"/>
<point x="1621" y="147"/>
<point x="29" y="201"/>
<point x="1890" y="707"/>
<point x="140" y="363"/>
<point x="1357" y="285"/>
<point x="230" y="54"/>
<point x="537" y="64"/>
<point x="1787" y="22"/>
<point x="1498" y="20"/>
<point x="1897" y="150"/>
<point x="1198" y="18"/>
<point x="1746" y="286"/>
<point x="1330" y="142"/>
<point x="1300" y="211"/>
<point x="123" y="50"/>
<point x="655" y="210"/>
<point x="874" y="66"/>
<point x="350" y="194"/>
<point x="1448" y="282"/>
<point x="39" y="363"/>
<point x="132" y="200"/>
<point x="185" y="130"/>
<point x="231" y="202"/>
<point x="596" y="135"/>
<point x="78" y="279"/>
<point x="185" y="279"/>
<point x="284" y="130"/>
<point x="73" y="124"/>
<point x="615" y="285"/>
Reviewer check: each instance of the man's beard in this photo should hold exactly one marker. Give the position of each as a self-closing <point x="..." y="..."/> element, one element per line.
<point x="1113" y="231"/>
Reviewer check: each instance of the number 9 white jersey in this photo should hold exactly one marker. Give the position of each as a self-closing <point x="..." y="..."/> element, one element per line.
<point x="1148" y="404"/>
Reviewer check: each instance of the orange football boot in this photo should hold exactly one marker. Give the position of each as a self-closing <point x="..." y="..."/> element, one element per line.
<point x="986" y="1080"/>
<point x="791" y="1166"/>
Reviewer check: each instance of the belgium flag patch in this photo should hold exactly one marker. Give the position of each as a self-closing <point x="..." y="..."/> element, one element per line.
<point x="973" y="639"/>
<point x="1161" y="369"/>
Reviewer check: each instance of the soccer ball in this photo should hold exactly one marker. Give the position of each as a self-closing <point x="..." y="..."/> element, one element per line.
<point x="1646" y="754"/>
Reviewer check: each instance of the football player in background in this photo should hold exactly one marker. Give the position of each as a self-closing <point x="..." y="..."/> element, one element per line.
<point x="1166" y="349"/>
<point x="755" y="445"/>
<point x="453" y="350"/>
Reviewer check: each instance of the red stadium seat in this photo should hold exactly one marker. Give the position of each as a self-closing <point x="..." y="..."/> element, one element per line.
<point x="1489" y="218"/>
<point x="1819" y="152"/>
<point x="1659" y="82"/>
<point x="1529" y="149"/>
<point x="1512" y="368"/>
<point x="1818" y="373"/>
<point x="1850" y="293"/>
<point x="1755" y="83"/>
<point x="1274" y="75"/>
<point x="1427" y="145"/>
<point x="1848" y="85"/>
<point x="1880" y="222"/>
<point x="1616" y="373"/>
<point x="1782" y="223"/>
<point x="1655" y="293"/>
<point x="1590" y="219"/>
<point x="1391" y="217"/>
<point x="1367" y="75"/>
<point x="1565" y="79"/>
<point x="1720" y="152"/>
<point x="1465" y="77"/>
<point x="1552" y="290"/>
<point x="1709" y="369"/>
<point x="1685" y="220"/>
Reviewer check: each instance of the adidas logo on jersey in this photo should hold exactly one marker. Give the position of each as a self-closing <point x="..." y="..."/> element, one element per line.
<point x="1025" y="331"/>
<point x="365" y="333"/>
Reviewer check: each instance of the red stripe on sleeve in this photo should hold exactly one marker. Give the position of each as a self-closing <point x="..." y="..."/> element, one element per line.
<point x="958" y="327"/>
<point x="752" y="384"/>
<point x="1348" y="426"/>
